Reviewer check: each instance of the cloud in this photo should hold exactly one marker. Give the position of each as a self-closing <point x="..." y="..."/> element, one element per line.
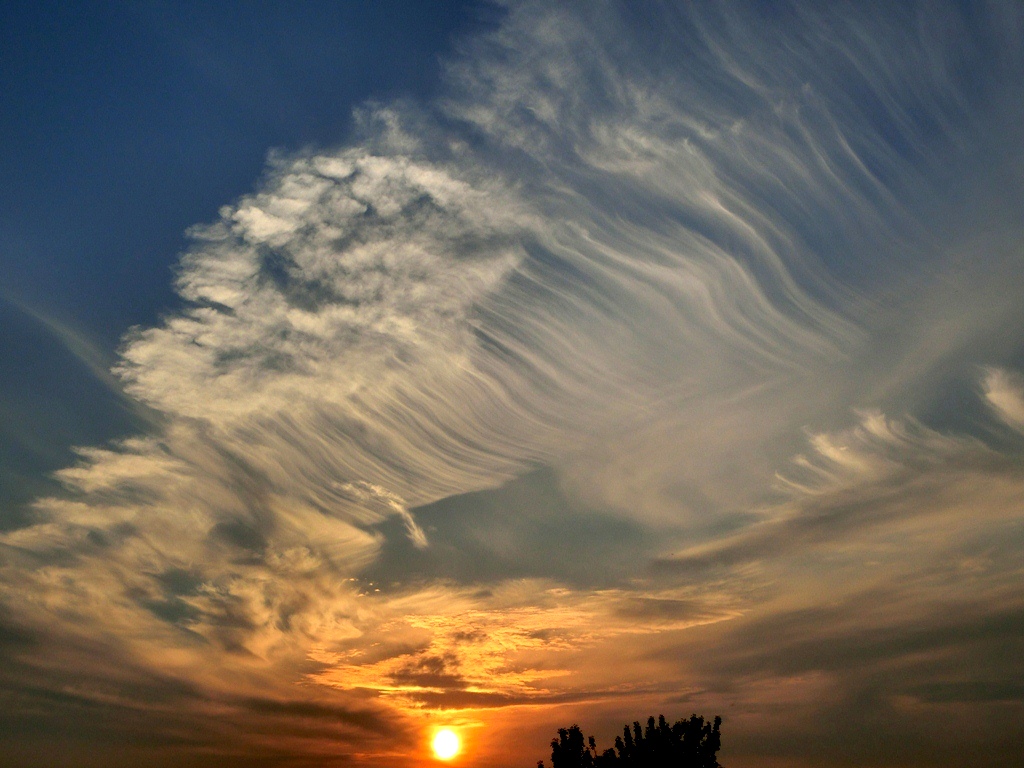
<point x="498" y="406"/>
<point x="522" y="642"/>
<point x="878" y="596"/>
<point x="858" y="486"/>
<point x="866" y="672"/>
<point x="521" y="530"/>
<point x="1004" y="392"/>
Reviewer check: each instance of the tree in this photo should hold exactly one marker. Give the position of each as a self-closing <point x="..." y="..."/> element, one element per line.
<point x="569" y="751"/>
<point x="692" y="743"/>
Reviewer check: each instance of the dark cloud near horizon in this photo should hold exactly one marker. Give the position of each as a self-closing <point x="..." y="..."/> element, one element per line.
<point x="890" y="676"/>
<point x="87" y="702"/>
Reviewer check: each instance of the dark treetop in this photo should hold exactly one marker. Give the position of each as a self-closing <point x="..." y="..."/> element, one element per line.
<point x="691" y="743"/>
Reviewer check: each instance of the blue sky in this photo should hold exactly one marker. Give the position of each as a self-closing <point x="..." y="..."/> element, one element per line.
<point x="372" y="369"/>
<point x="124" y="124"/>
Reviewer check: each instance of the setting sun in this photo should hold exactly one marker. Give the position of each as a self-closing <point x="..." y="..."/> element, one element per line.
<point x="446" y="744"/>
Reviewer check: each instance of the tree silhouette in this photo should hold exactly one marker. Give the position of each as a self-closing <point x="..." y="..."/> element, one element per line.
<point x="569" y="751"/>
<point x="692" y="743"/>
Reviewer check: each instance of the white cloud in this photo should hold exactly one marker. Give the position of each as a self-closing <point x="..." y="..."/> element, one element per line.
<point x="1004" y="391"/>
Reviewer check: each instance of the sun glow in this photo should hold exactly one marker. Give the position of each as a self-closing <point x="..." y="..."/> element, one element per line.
<point x="446" y="744"/>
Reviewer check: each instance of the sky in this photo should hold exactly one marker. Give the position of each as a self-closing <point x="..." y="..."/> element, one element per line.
<point x="371" y="369"/>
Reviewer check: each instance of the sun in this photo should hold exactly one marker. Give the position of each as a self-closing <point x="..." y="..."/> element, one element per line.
<point x="446" y="744"/>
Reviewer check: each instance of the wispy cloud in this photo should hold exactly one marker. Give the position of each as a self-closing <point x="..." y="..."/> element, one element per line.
<point x="1004" y="391"/>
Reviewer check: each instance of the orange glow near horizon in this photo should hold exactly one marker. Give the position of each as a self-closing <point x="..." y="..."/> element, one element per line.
<point x="446" y="744"/>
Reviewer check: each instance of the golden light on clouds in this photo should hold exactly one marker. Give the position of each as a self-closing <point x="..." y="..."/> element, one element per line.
<point x="520" y="643"/>
<point x="446" y="744"/>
